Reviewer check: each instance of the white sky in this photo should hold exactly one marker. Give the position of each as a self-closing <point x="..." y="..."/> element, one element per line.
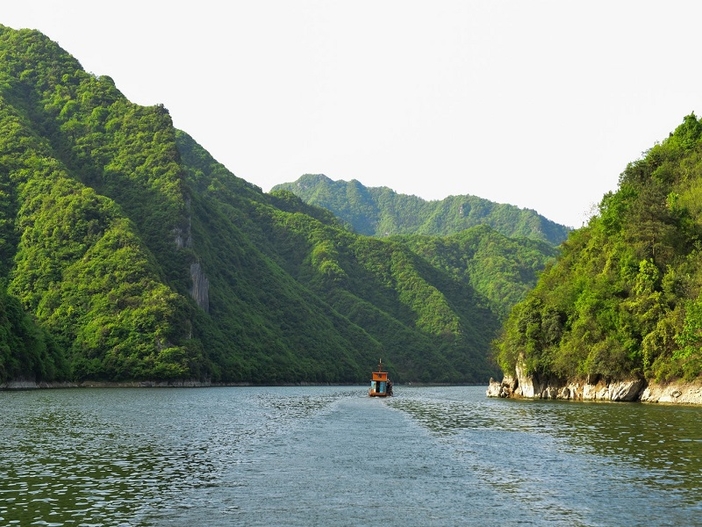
<point x="540" y="104"/>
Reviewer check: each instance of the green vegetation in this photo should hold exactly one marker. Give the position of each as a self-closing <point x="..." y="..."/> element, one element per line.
<point x="500" y="269"/>
<point x="623" y="299"/>
<point x="128" y="253"/>
<point x="382" y="212"/>
<point x="27" y="351"/>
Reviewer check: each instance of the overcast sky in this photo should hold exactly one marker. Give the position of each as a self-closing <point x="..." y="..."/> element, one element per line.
<point x="540" y="104"/>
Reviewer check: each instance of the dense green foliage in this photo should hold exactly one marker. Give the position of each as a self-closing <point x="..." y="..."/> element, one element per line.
<point x="379" y="211"/>
<point x="128" y="253"/>
<point x="75" y="159"/>
<point x="26" y="351"/>
<point x="623" y="299"/>
<point x="500" y="269"/>
<point x="318" y="294"/>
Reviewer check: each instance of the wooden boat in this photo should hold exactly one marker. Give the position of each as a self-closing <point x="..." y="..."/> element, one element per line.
<point x="380" y="386"/>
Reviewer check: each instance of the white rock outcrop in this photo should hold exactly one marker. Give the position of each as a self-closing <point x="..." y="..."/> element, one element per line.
<point x="523" y="385"/>
<point x="625" y="391"/>
<point x="673" y="393"/>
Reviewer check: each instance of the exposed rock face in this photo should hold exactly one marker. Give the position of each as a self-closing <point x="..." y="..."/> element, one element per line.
<point x="677" y="393"/>
<point x="614" y="391"/>
<point x="628" y="390"/>
<point x="200" y="291"/>
<point x="533" y="387"/>
<point x="502" y="389"/>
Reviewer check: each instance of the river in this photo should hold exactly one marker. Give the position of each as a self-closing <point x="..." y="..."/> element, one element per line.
<point x="430" y="456"/>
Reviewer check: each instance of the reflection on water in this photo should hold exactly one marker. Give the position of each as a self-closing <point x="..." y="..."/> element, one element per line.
<point x="325" y="455"/>
<point x="117" y="457"/>
<point x="75" y="457"/>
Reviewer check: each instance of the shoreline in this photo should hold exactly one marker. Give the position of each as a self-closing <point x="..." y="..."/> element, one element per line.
<point x="25" y="384"/>
<point x="636" y="390"/>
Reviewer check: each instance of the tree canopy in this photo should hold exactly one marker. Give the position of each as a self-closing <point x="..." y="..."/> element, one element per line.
<point x="380" y="211"/>
<point x="623" y="298"/>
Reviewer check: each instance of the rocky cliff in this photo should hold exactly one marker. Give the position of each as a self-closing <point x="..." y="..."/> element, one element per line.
<point x="526" y="386"/>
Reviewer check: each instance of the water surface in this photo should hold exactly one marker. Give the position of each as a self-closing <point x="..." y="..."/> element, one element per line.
<point x="333" y="456"/>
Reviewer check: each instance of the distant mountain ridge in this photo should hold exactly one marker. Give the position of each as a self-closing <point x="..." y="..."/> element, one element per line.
<point x="380" y="211"/>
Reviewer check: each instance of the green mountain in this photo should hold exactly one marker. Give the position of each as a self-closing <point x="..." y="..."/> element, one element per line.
<point x="501" y="269"/>
<point x="128" y="253"/>
<point x="379" y="211"/>
<point x="623" y="301"/>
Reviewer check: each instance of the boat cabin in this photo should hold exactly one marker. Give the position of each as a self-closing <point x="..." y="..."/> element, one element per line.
<point x="380" y="385"/>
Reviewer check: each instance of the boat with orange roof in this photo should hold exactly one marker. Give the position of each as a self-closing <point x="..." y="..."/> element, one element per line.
<point x="381" y="385"/>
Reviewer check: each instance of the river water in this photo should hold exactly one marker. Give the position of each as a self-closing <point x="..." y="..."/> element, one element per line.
<point x="333" y="456"/>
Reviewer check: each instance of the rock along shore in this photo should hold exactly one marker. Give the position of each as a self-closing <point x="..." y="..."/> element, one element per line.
<point x="531" y="387"/>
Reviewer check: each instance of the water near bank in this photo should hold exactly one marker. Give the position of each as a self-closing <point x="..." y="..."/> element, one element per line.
<point x="333" y="456"/>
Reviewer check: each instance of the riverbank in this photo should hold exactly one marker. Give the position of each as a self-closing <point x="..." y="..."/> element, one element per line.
<point x="526" y="387"/>
<point x="25" y="384"/>
<point x="28" y="384"/>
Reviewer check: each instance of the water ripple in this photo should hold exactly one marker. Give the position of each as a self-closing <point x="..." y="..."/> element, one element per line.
<point x="323" y="455"/>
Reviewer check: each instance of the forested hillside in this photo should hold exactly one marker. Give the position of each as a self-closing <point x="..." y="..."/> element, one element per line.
<point x="501" y="269"/>
<point x="379" y="211"/>
<point x="623" y="299"/>
<point x="128" y="253"/>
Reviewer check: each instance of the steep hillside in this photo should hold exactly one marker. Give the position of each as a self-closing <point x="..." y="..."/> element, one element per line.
<point x="328" y="293"/>
<point x="623" y="299"/>
<point x="379" y="211"/>
<point x="501" y="269"/>
<point x="138" y="256"/>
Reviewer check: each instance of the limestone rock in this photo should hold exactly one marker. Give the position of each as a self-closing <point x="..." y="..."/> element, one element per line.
<point x="502" y="389"/>
<point x="673" y="393"/>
